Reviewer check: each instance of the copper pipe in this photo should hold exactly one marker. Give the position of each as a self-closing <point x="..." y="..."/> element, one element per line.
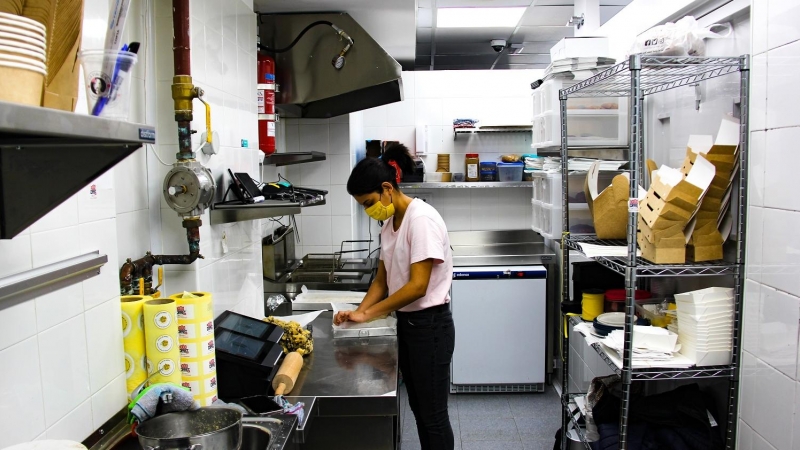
<point x="181" y="45"/>
<point x="143" y="267"/>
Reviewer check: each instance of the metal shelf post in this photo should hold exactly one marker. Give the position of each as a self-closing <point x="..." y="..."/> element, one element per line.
<point x="741" y="229"/>
<point x="565" y="416"/>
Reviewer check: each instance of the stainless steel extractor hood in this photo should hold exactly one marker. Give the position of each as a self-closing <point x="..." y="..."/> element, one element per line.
<point x="309" y="84"/>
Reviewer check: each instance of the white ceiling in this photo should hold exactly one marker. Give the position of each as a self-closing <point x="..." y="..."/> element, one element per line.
<point x="405" y="29"/>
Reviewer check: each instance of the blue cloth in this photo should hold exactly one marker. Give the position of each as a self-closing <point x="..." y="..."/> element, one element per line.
<point x="149" y="402"/>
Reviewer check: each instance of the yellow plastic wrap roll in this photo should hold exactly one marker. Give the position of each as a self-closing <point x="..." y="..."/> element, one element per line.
<point x="133" y="339"/>
<point x="592" y="304"/>
<point x="161" y="340"/>
<point x="197" y="348"/>
<point x="199" y="367"/>
<point x="203" y="389"/>
<point x="200" y="307"/>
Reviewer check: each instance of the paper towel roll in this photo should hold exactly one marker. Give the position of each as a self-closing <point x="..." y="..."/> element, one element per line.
<point x="161" y="340"/>
<point x="133" y="339"/>
<point x="198" y="308"/>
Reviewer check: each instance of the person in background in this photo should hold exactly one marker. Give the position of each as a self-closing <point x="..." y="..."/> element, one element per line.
<point x="414" y="276"/>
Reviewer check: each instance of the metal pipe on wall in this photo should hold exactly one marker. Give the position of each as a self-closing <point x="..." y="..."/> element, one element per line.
<point x="183" y="90"/>
<point x="183" y="93"/>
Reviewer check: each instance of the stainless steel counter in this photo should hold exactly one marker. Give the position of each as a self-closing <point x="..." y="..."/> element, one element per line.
<point x="499" y="248"/>
<point x="354" y="382"/>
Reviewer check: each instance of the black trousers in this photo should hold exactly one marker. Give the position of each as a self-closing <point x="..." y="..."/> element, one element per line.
<point x="426" y="340"/>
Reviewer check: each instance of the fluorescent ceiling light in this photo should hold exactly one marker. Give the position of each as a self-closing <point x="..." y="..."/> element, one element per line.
<point x="478" y="17"/>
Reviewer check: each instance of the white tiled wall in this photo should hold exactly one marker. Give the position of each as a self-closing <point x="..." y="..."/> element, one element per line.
<point x="61" y="353"/>
<point x="425" y="117"/>
<point x="223" y="41"/>
<point x="770" y="388"/>
<point x="322" y="228"/>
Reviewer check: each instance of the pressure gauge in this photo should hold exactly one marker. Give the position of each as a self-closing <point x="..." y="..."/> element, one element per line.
<point x="189" y="188"/>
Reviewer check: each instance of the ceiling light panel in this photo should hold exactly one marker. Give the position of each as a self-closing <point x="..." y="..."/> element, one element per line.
<point x="547" y="16"/>
<point x="482" y="3"/>
<point x="478" y="17"/>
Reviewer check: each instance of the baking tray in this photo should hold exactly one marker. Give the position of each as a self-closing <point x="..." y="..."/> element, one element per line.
<point x="364" y="332"/>
<point x="382" y="327"/>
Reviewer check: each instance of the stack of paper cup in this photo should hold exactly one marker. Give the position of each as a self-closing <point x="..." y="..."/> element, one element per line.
<point x="161" y="341"/>
<point x="133" y="339"/>
<point x="22" y="59"/>
<point x="196" y="339"/>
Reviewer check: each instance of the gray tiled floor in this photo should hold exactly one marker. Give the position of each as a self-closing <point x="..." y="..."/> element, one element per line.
<point x="494" y="421"/>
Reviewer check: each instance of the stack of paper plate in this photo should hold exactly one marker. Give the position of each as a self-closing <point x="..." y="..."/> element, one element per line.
<point x="604" y="324"/>
<point x="22" y="59"/>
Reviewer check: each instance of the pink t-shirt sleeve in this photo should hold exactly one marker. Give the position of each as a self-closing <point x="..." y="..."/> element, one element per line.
<point x="427" y="240"/>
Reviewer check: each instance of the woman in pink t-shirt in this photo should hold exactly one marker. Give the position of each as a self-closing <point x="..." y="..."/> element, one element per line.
<point x="413" y="279"/>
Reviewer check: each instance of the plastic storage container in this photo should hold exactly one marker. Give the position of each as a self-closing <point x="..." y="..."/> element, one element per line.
<point x="547" y="186"/>
<point x="545" y="100"/>
<point x="615" y="299"/>
<point x="590" y="121"/>
<point x="510" y="171"/>
<point x="472" y="163"/>
<point x="587" y="128"/>
<point x="547" y="220"/>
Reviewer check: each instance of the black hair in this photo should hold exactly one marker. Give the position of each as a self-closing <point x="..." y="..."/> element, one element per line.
<point x="369" y="174"/>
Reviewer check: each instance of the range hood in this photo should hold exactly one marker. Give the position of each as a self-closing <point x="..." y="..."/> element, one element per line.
<point x="309" y="85"/>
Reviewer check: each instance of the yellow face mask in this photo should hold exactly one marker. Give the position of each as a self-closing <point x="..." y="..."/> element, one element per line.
<point x="379" y="211"/>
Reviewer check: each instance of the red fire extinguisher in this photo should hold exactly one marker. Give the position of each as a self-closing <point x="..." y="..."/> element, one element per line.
<point x="266" y="104"/>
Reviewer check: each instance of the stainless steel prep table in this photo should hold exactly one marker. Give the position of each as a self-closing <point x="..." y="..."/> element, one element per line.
<point x="354" y="382"/>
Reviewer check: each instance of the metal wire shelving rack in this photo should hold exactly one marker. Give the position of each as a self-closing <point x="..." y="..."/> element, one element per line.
<point x="635" y="78"/>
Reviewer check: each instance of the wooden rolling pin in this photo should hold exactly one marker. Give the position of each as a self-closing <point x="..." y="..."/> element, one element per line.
<point x="283" y="383"/>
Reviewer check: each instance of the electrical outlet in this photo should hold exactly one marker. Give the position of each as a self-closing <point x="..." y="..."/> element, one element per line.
<point x="426" y="197"/>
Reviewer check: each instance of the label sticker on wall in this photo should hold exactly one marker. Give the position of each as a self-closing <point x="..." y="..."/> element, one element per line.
<point x="633" y="205"/>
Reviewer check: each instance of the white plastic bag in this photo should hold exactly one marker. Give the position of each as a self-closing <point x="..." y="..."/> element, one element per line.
<point x="682" y="38"/>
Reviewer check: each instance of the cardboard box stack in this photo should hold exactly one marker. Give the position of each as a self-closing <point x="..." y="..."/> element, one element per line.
<point x="704" y="237"/>
<point x="667" y="209"/>
<point x="705" y="325"/>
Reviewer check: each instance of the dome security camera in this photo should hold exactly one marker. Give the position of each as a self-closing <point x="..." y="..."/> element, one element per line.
<point x="498" y="44"/>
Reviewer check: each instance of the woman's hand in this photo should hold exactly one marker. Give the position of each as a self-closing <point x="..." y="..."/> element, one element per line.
<point x="341" y="317"/>
<point x="352" y="316"/>
<point x="357" y="316"/>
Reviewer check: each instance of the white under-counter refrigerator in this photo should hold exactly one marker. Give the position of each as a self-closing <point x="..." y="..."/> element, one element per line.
<point x="500" y="318"/>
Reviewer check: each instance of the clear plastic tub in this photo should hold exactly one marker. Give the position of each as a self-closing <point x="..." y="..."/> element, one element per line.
<point x="547" y="220"/>
<point x="510" y="171"/>
<point x="586" y="127"/>
<point x="107" y="78"/>
<point x="547" y="186"/>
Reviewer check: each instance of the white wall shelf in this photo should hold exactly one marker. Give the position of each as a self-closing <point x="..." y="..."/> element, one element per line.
<point x="492" y="130"/>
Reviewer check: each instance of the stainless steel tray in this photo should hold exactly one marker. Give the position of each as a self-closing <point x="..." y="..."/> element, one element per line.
<point x="382" y="327"/>
<point x="364" y="332"/>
